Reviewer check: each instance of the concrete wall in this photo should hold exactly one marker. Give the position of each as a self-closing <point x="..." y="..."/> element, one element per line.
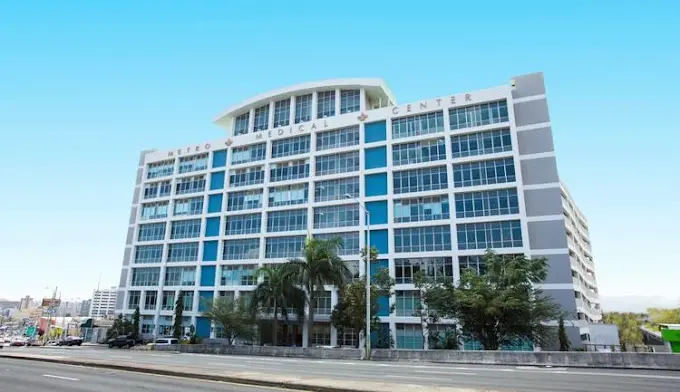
<point x="554" y="358"/>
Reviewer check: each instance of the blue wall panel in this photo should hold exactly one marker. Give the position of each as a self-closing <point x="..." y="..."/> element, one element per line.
<point x="375" y="132"/>
<point x="208" y="275"/>
<point x="216" y="180"/>
<point x="204" y="300"/>
<point x="378" y="210"/>
<point x="203" y="327"/>
<point x="380" y="241"/>
<point x="219" y="158"/>
<point x="210" y="251"/>
<point x="376" y="184"/>
<point x="215" y="203"/>
<point x="212" y="227"/>
<point x="375" y="157"/>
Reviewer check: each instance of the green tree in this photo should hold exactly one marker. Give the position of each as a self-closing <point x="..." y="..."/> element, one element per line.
<point x="235" y="317"/>
<point x="350" y="311"/>
<point x="121" y="326"/>
<point x="503" y="306"/>
<point x="320" y="265"/>
<point x="664" y="316"/>
<point x="177" y="330"/>
<point x="438" y="300"/>
<point x="278" y="293"/>
<point x="628" y="325"/>
<point x="562" y="335"/>
<point x="135" y="322"/>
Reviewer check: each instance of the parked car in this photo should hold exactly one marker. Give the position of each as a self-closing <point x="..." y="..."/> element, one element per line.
<point x="17" y="342"/>
<point x="122" y="341"/>
<point x="164" y="342"/>
<point x="71" y="341"/>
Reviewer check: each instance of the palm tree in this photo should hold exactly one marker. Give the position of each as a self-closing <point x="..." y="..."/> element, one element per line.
<point x="278" y="293"/>
<point x="319" y="265"/>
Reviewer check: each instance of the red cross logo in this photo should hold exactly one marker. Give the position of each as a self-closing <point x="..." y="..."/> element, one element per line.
<point x="362" y="117"/>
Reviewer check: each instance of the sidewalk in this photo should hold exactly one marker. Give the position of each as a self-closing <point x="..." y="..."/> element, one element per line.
<point x="247" y="378"/>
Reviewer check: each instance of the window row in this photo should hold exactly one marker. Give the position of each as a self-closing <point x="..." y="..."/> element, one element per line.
<point x="420" y="124"/>
<point x="478" y="115"/>
<point x="419" y="152"/>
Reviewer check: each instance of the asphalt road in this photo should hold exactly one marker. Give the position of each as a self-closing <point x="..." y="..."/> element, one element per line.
<point x="22" y="376"/>
<point x="502" y="378"/>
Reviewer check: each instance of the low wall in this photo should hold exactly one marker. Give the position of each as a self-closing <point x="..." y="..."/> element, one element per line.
<point x="265" y="351"/>
<point x="540" y="358"/>
<point x="658" y="361"/>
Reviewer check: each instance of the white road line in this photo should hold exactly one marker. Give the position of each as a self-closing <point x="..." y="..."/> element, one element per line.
<point x="426" y="378"/>
<point x="228" y="365"/>
<point x="60" y="377"/>
<point x="444" y="373"/>
<point x="121" y="356"/>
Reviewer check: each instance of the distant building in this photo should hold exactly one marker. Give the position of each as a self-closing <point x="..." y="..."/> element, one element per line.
<point x="25" y="302"/>
<point x="103" y="303"/>
<point x="85" y="308"/>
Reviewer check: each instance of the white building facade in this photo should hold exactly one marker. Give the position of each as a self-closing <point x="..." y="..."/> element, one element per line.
<point x="444" y="179"/>
<point x="103" y="303"/>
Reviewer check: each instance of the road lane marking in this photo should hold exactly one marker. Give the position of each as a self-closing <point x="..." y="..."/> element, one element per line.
<point x="60" y="377"/>
<point x="426" y="378"/>
<point x="445" y="373"/>
<point x="121" y="356"/>
<point x="228" y="364"/>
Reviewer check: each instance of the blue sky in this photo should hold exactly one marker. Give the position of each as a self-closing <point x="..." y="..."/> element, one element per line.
<point x="85" y="87"/>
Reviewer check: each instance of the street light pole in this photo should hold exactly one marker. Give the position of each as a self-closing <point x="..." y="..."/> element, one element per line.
<point x="367" y="334"/>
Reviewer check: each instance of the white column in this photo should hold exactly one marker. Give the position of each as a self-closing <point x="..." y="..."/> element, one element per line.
<point x="270" y="123"/>
<point x="337" y="101"/>
<point x="334" y="332"/>
<point x="291" y="121"/>
<point x="362" y="100"/>
<point x="251" y="120"/>
<point x="315" y="96"/>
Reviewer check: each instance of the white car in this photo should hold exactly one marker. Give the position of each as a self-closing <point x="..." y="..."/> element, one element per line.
<point x="164" y="342"/>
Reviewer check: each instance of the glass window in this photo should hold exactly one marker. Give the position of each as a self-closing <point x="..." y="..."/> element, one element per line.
<point x="244" y="200"/>
<point x="288" y="195"/>
<point x="246" y="176"/>
<point x="350" y="242"/>
<point x="261" y="119"/>
<point x="243" y="224"/>
<point x="336" y="216"/>
<point x="303" y="108"/>
<point x="289" y="220"/>
<point x="325" y="104"/>
<point x="432" y="267"/>
<point x="186" y="251"/>
<point x="151" y="232"/>
<point x="337" y="138"/>
<point x="241" y="124"/>
<point x="160" y="169"/>
<point x="180" y="276"/>
<point x="150" y="298"/>
<point x="190" y="185"/>
<point x="284" y="247"/>
<point x="157" y="189"/>
<point x="408" y="303"/>
<point x="495" y="171"/>
<point x="283" y="171"/>
<point x="147" y="276"/>
<point x="239" y="275"/>
<point x="489" y="235"/>
<point x="321" y="334"/>
<point x="489" y="142"/>
<point x="421" y="209"/>
<point x="190" y="206"/>
<point x="133" y="299"/>
<point x="476" y="263"/>
<point x="422" y="239"/>
<point x="145" y="254"/>
<point x="418" y="180"/>
<point x="337" y="163"/>
<point x="478" y="115"/>
<point x="336" y="189"/>
<point x="193" y="163"/>
<point x="246" y="249"/>
<point x="291" y="146"/>
<point x="323" y="303"/>
<point x="349" y="101"/>
<point x="409" y="336"/>
<point x="187" y="300"/>
<point x="252" y="153"/>
<point x="282" y="113"/>
<point x="487" y="203"/>
<point x="168" y="300"/>
<point x="185" y="229"/>
<point x="419" y="152"/>
<point x="157" y="210"/>
<point x="420" y="124"/>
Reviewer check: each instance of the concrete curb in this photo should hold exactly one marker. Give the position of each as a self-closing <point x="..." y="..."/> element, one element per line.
<point x="310" y="385"/>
